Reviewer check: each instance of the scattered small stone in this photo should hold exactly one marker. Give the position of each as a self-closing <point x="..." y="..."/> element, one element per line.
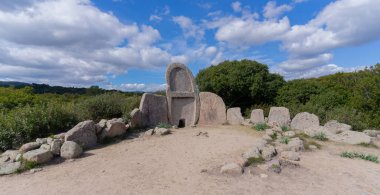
<point x="289" y="134"/>
<point x="313" y="147"/>
<point x="288" y="163"/>
<point x="290" y="155"/>
<point x="35" y="170"/>
<point x="231" y="169"/>
<point x="29" y="146"/>
<point x="200" y="133"/>
<point x="203" y="170"/>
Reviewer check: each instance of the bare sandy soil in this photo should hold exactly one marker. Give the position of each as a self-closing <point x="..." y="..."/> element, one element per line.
<point x="172" y="165"/>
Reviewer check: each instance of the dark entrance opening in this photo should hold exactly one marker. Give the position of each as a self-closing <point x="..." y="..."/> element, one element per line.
<point x="181" y="123"/>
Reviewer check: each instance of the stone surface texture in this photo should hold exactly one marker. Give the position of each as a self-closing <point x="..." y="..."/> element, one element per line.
<point x="279" y="116"/>
<point x="182" y="96"/>
<point x="154" y="110"/>
<point x="231" y="169"/>
<point x="70" y="150"/>
<point x="335" y="127"/>
<point x="84" y="133"/>
<point x="234" y="116"/>
<point x="304" y="120"/>
<point x="257" y="116"/>
<point x="114" y="127"/>
<point x="212" y="109"/>
<point x="29" y="146"/>
<point x="135" y="118"/>
<point x="9" y="168"/>
<point x="39" y="156"/>
<point x="351" y="137"/>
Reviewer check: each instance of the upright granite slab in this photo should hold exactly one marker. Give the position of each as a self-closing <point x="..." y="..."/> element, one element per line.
<point x="279" y="116"/>
<point x="234" y="116"/>
<point x="154" y="110"/>
<point x="212" y="110"/>
<point x="257" y="116"/>
<point x="182" y="96"/>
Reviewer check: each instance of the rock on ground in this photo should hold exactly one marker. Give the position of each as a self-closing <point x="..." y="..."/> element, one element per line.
<point x="279" y="116"/>
<point x="304" y="120"/>
<point x="9" y="168"/>
<point x="161" y="131"/>
<point x="70" y="150"/>
<point x="234" y="116"/>
<point x="335" y="127"/>
<point x="55" y="146"/>
<point x="154" y="110"/>
<point x="212" y="109"/>
<point x="290" y="155"/>
<point x="29" y="146"/>
<point x="268" y="152"/>
<point x="39" y="156"/>
<point x="41" y="140"/>
<point x="351" y="137"/>
<point x="231" y="169"/>
<point x="372" y="133"/>
<point x="289" y="133"/>
<point x="149" y="132"/>
<point x="113" y="128"/>
<point x="11" y="154"/>
<point x="257" y="116"/>
<point x="135" y="118"/>
<point x="84" y="133"/>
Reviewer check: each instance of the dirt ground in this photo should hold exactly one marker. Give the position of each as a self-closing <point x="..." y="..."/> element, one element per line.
<point x="172" y="164"/>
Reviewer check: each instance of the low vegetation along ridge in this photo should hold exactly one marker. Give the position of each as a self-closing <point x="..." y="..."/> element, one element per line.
<point x="31" y="111"/>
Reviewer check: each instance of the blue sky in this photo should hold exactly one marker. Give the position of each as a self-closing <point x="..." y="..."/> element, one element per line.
<point x="127" y="44"/>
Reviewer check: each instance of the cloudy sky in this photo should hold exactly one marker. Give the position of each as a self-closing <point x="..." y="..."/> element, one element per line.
<point x="127" y="44"/>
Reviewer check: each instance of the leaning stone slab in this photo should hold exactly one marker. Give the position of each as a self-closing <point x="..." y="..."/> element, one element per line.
<point x="182" y="96"/>
<point x="9" y="168"/>
<point x="212" y="110"/>
<point x="70" y="150"/>
<point x="304" y="120"/>
<point x="335" y="127"/>
<point x="351" y="137"/>
<point x="154" y="110"/>
<point x="257" y="116"/>
<point x="135" y="118"/>
<point x="29" y="146"/>
<point x="234" y="116"/>
<point x="84" y="133"/>
<point x="39" y="156"/>
<point x="113" y="128"/>
<point x="279" y="116"/>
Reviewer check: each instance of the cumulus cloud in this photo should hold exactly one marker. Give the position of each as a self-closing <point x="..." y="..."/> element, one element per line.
<point x="140" y="87"/>
<point x="271" y="10"/>
<point x="188" y="27"/>
<point x="159" y="14"/>
<point x="236" y="6"/>
<point x="71" y="42"/>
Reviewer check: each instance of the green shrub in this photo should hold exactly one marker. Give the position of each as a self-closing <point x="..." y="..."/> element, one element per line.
<point x="261" y="126"/>
<point x="285" y="128"/>
<point x="320" y="136"/>
<point x="284" y="140"/>
<point x="164" y="125"/>
<point x="368" y="145"/>
<point x="255" y="161"/>
<point x="368" y="157"/>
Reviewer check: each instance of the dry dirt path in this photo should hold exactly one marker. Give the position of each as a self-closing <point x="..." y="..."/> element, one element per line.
<point x="172" y="165"/>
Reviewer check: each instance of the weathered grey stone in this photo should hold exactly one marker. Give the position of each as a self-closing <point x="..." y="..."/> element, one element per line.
<point x="257" y="116"/>
<point x="304" y="120"/>
<point x="102" y="124"/>
<point x="290" y="155"/>
<point x="71" y="150"/>
<point x="268" y="152"/>
<point x="45" y="147"/>
<point x="289" y="133"/>
<point x="335" y="127"/>
<point x="269" y="132"/>
<point x="247" y="122"/>
<point x="41" y="140"/>
<point x="351" y="137"/>
<point x="267" y="137"/>
<point x="39" y="156"/>
<point x="12" y="154"/>
<point x="289" y="163"/>
<point x="4" y="159"/>
<point x="313" y="147"/>
<point x="9" y="168"/>
<point x="84" y="133"/>
<point x="231" y="169"/>
<point x="113" y="128"/>
<point x="29" y="146"/>
<point x="279" y="116"/>
<point x="161" y="131"/>
<point x="60" y="136"/>
<point x="150" y="132"/>
<point x="212" y="109"/>
<point x="272" y="165"/>
<point x="182" y="96"/>
<point x="154" y="110"/>
<point x="135" y="118"/>
<point x="372" y="133"/>
<point x="55" y="146"/>
<point x="49" y="140"/>
<point x="234" y="116"/>
<point x="296" y="144"/>
<point x="252" y="152"/>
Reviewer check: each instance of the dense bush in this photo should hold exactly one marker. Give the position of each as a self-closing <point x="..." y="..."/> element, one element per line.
<point x="241" y="83"/>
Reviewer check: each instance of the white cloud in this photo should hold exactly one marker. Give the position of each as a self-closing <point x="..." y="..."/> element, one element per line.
<point x="71" y="42"/>
<point x="155" y="18"/>
<point x="159" y="14"/>
<point x="271" y="10"/>
<point x="188" y="27"/>
<point x="140" y="87"/>
<point x="236" y="6"/>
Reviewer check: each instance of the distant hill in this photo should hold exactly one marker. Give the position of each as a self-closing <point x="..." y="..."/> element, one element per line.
<point x="44" y="88"/>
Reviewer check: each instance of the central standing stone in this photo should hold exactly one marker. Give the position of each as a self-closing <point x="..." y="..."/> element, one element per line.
<point x="182" y="96"/>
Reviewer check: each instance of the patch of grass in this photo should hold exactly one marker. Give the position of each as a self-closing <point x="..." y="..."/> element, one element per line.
<point x="164" y="125"/>
<point x="255" y="161"/>
<point x="26" y="165"/>
<point x="284" y="140"/>
<point x="368" y="145"/>
<point x="285" y="128"/>
<point x="367" y="157"/>
<point x="274" y="136"/>
<point x="261" y="126"/>
<point x="320" y="136"/>
<point x="307" y="142"/>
